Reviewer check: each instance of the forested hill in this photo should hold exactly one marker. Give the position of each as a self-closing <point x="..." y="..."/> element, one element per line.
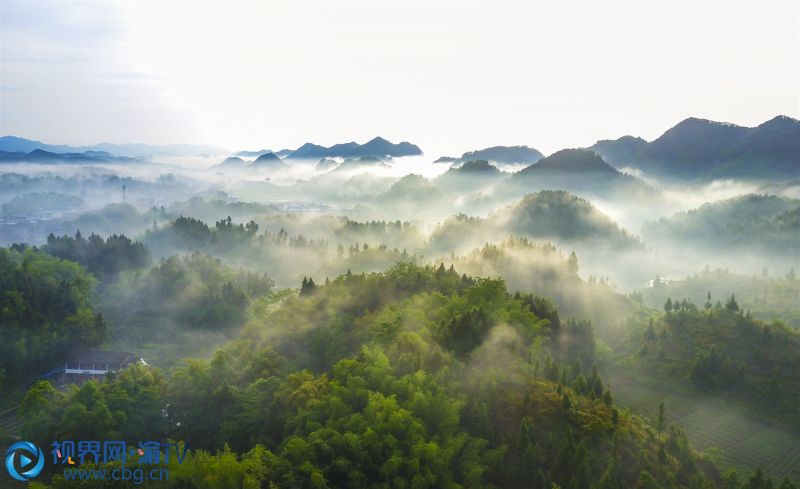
<point x="556" y="216"/>
<point x="576" y="161"/>
<point x="240" y="244"/>
<point x="562" y="216"/>
<point x="749" y="222"/>
<point x="769" y="296"/>
<point x="619" y="152"/>
<point x="102" y="257"/>
<point x="719" y="347"/>
<point x="46" y="309"/>
<point x="416" y="374"/>
<point x="505" y="154"/>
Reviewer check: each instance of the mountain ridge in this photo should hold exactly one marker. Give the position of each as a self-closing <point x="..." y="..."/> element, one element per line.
<point x="498" y="154"/>
<point x="43" y="156"/>
<point x="702" y="149"/>
<point x="15" y="144"/>
<point x="376" y="147"/>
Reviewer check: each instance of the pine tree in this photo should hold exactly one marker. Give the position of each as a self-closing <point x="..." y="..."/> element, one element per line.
<point x="572" y="264"/>
<point x="757" y="480"/>
<point x="307" y="287"/>
<point x="732" y="305"/>
<point x="607" y="399"/>
<point x="650" y="334"/>
<point x="566" y="403"/>
<point x="662" y="454"/>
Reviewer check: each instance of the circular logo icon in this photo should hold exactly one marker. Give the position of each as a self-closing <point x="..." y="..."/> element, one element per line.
<point x="24" y="461"/>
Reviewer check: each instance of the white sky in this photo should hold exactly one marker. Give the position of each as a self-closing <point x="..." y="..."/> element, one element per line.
<point x="450" y="76"/>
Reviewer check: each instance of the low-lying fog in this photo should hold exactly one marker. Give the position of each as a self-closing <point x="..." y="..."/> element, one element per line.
<point x="410" y="189"/>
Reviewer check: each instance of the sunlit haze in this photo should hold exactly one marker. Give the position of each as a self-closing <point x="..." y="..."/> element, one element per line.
<point x="449" y="76"/>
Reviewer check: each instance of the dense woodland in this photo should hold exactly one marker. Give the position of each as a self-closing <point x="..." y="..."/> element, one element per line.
<point x="765" y="295"/>
<point x="452" y="377"/>
<point x="742" y="224"/>
<point x="101" y="257"/>
<point x="418" y="375"/>
<point x="46" y="308"/>
<point x="720" y="348"/>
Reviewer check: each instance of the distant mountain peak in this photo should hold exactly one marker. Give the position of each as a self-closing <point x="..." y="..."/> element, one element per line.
<point x="505" y="154"/>
<point x="268" y="160"/>
<point x="17" y="144"/>
<point x="571" y="161"/>
<point x="697" y="148"/>
<point x="695" y="121"/>
<point x="231" y="162"/>
<point x="781" y="121"/>
<point x="376" y="147"/>
<point x="307" y="146"/>
<point x="626" y="138"/>
<point x="256" y="153"/>
<point x="268" y="157"/>
<point x="475" y="166"/>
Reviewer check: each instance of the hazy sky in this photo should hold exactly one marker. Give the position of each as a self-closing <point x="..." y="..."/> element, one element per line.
<point x="449" y="75"/>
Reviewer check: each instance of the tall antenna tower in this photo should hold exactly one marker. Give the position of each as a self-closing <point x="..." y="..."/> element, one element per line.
<point x="123" y="192"/>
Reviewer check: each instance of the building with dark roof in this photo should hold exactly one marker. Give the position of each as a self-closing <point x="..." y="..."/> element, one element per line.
<point x="99" y="362"/>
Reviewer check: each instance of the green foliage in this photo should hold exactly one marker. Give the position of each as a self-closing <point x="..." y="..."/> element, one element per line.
<point x="714" y="370"/>
<point x="544" y="215"/>
<point x="543" y="270"/>
<point x="748" y="222"/>
<point x="724" y="350"/>
<point x="127" y="406"/>
<point x="196" y="291"/>
<point x="360" y="257"/>
<point x="775" y="297"/>
<point x="412" y="377"/>
<point x="277" y="253"/>
<point x="45" y="310"/>
<point x="103" y="258"/>
<point x="374" y="231"/>
<point x="307" y="287"/>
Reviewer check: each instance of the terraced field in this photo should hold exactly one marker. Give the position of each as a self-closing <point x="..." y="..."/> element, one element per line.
<point x="717" y="428"/>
